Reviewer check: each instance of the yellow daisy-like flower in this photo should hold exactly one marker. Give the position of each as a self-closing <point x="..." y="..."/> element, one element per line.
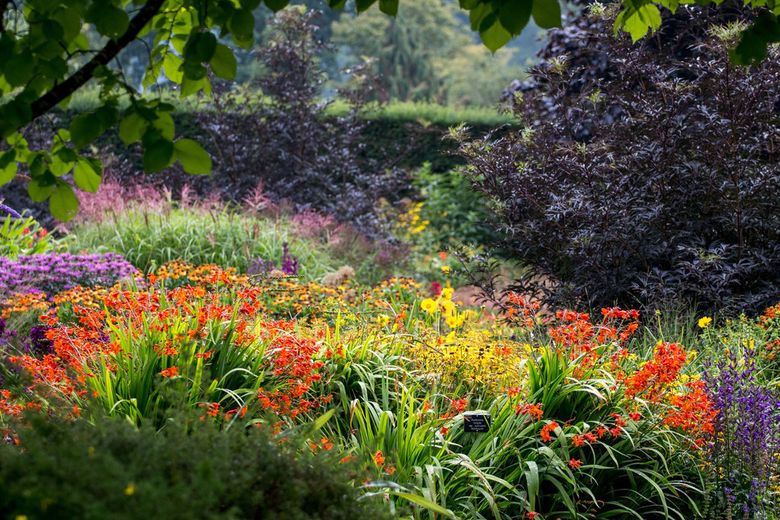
<point x="429" y="305"/>
<point x="705" y="322"/>
<point x="446" y="269"/>
<point x="446" y="293"/>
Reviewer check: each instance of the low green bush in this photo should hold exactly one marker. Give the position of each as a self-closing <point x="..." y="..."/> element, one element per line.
<point x="188" y="469"/>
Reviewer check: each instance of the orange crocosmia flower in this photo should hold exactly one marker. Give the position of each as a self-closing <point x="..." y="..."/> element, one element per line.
<point x="547" y="429"/>
<point x="532" y="515"/>
<point x="513" y="391"/>
<point x="444" y="430"/>
<point x="577" y="441"/>
<point x="204" y="355"/>
<point x="390" y="469"/>
<point x="170" y="372"/>
<point x="635" y="416"/>
<point x="575" y="463"/>
<point x="326" y="444"/>
<point x="379" y="458"/>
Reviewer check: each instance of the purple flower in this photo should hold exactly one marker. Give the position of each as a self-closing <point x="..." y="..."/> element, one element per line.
<point x="9" y="211"/>
<point x="53" y="273"/>
<point x="747" y="432"/>
<point x="289" y="262"/>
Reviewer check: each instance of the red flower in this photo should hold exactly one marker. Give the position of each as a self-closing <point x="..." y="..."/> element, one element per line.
<point x="635" y="416"/>
<point x="379" y="458"/>
<point x="170" y="372"/>
<point x="575" y="463"/>
<point x="547" y="429"/>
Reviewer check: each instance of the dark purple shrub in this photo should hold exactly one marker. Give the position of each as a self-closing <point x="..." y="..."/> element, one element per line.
<point x="644" y="172"/>
<point x="744" y="450"/>
<point x="288" y="140"/>
<point x="52" y="273"/>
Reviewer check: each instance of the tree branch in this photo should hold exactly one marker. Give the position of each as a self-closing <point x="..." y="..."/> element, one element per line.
<point x="62" y="90"/>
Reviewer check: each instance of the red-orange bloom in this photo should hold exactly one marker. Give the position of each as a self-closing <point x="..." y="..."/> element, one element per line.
<point x="379" y="458"/>
<point x="170" y="372"/>
<point x="575" y="463"/>
<point x="547" y="429"/>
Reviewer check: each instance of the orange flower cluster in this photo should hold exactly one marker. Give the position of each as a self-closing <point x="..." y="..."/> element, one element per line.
<point x="521" y="307"/>
<point x="547" y="430"/>
<point x="692" y="412"/>
<point x="174" y="326"/>
<point x="576" y="333"/>
<point x="24" y="303"/>
<point x="655" y="376"/>
<point x="295" y="372"/>
<point x="532" y="410"/>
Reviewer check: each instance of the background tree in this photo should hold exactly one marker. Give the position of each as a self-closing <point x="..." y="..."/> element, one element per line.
<point x="425" y="53"/>
<point x="646" y="172"/>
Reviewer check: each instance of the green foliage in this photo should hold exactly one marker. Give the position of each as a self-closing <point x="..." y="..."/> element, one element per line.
<point x="149" y="240"/>
<point x="455" y="212"/>
<point x="640" y="17"/>
<point x="424" y="54"/>
<point x="23" y="237"/>
<point x="188" y="469"/>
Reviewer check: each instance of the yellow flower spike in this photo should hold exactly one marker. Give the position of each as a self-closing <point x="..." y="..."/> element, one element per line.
<point x="704" y="322"/>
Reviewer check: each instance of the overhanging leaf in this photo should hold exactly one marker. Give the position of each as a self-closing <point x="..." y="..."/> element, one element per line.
<point x="546" y="13"/>
<point x="223" y="63"/>
<point x="63" y="203"/>
<point x="86" y="174"/>
<point x="193" y="158"/>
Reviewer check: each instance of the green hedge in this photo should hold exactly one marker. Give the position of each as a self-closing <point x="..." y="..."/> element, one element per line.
<point x="189" y="469"/>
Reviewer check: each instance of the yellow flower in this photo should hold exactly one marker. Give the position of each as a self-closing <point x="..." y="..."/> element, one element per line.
<point x="448" y="308"/>
<point x="130" y="489"/>
<point x="704" y="322"/>
<point x="446" y="293"/>
<point x="446" y="269"/>
<point x="429" y="305"/>
<point x="382" y="320"/>
<point x="21" y="517"/>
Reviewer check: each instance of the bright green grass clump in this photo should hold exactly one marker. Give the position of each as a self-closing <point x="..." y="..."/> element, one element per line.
<point x="225" y="238"/>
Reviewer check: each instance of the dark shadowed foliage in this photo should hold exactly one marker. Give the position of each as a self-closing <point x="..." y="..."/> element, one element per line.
<point x="190" y="469"/>
<point x="289" y="144"/>
<point x="644" y="172"/>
